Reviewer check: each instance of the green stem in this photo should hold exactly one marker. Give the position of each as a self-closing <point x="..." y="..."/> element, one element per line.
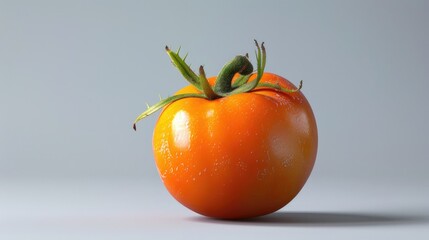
<point x="241" y="65"/>
<point x="223" y="86"/>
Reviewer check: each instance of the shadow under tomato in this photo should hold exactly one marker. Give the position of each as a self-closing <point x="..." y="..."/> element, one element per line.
<point x="321" y="219"/>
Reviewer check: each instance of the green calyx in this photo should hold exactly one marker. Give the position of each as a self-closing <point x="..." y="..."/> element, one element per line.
<point x="224" y="85"/>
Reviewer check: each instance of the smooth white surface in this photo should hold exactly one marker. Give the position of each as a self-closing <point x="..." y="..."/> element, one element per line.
<point x="139" y="209"/>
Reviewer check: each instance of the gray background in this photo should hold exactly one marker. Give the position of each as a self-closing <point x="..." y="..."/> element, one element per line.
<point x="75" y="74"/>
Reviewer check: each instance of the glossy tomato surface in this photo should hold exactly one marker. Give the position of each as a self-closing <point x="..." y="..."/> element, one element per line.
<point x="240" y="156"/>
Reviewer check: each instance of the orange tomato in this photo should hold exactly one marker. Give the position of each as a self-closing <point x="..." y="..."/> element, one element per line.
<point x="239" y="156"/>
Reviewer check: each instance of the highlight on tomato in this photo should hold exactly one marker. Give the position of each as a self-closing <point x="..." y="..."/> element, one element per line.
<point x="235" y="146"/>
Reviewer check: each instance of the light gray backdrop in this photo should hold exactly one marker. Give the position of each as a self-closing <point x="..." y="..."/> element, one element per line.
<point x="75" y="74"/>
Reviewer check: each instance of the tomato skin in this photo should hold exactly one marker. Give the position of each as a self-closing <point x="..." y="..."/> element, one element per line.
<point x="240" y="156"/>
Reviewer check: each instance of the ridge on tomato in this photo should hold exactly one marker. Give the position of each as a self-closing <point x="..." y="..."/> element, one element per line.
<point x="235" y="146"/>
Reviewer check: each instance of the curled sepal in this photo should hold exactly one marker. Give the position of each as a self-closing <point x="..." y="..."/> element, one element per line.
<point x="280" y="88"/>
<point x="183" y="68"/>
<point x="261" y="60"/>
<point x="165" y="102"/>
<point x="239" y="64"/>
